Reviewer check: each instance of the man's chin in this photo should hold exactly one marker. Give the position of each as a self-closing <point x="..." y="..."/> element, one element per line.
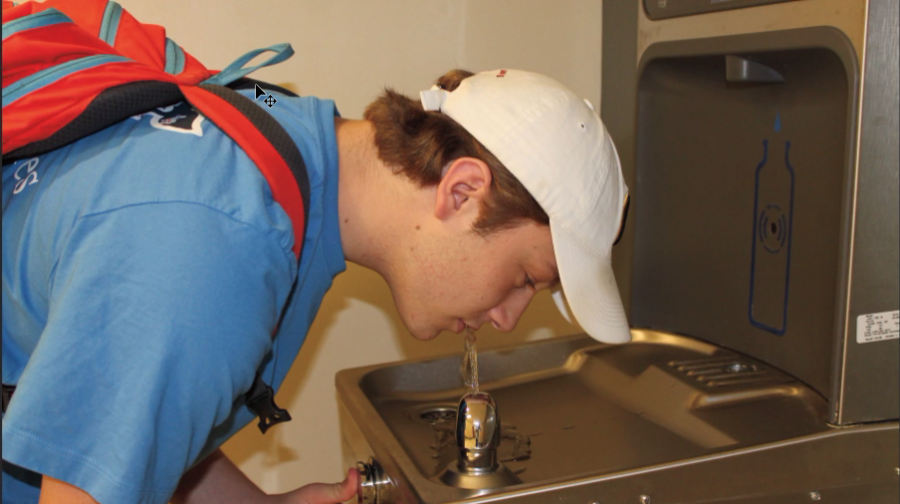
<point x="424" y="334"/>
<point x="422" y="331"/>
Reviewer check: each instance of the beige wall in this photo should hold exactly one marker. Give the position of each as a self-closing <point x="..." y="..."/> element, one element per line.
<point x="348" y="50"/>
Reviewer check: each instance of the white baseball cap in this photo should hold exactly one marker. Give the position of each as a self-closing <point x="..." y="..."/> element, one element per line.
<point x="556" y="146"/>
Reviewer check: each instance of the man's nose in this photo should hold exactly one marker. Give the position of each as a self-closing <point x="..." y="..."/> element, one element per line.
<point x="506" y="315"/>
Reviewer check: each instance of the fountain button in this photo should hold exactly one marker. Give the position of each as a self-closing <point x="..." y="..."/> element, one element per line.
<point x="373" y="485"/>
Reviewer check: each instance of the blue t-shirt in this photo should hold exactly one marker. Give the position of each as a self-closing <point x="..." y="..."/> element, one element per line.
<point x="145" y="270"/>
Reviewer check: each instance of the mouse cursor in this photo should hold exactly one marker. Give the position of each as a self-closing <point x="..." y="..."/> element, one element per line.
<point x="259" y="92"/>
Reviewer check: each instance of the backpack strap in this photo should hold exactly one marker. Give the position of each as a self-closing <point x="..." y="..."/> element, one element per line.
<point x="236" y="69"/>
<point x="261" y="137"/>
<point x="266" y="143"/>
<point x="55" y="69"/>
<point x="111" y="106"/>
<point x="112" y="67"/>
<point x="8" y="391"/>
<point x="248" y="83"/>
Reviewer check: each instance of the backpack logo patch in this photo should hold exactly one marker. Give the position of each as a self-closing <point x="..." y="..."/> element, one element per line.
<point x="180" y="118"/>
<point x="25" y="175"/>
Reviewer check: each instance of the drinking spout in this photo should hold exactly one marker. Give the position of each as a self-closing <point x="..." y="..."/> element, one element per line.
<point x="477" y="433"/>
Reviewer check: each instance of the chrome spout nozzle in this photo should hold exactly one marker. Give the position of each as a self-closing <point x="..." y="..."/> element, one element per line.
<point x="477" y="433"/>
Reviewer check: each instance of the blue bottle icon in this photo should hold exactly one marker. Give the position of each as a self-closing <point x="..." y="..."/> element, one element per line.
<point x="773" y="210"/>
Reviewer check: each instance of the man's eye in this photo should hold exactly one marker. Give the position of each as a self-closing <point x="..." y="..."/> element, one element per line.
<point x="529" y="282"/>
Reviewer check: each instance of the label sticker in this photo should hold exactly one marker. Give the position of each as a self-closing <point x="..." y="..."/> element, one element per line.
<point x="878" y="326"/>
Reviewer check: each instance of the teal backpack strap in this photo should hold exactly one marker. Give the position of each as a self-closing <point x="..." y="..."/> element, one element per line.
<point x="236" y="70"/>
<point x="109" y="26"/>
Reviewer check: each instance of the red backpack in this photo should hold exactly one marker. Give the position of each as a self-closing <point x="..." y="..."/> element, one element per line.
<point x="74" y="67"/>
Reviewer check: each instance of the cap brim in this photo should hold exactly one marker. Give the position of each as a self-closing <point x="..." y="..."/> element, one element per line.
<point x="590" y="288"/>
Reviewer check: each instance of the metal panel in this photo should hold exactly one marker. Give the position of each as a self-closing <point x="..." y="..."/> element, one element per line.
<point x="661" y="9"/>
<point x="870" y="383"/>
<point x="713" y="159"/>
<point x="848" y="16"/>
<point x="618" y="102"/>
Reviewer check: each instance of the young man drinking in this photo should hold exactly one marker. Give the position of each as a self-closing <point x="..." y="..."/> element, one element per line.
<point x="149" y="278"/>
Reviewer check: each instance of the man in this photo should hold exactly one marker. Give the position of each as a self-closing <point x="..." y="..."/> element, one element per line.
<point x="148" y="274"/>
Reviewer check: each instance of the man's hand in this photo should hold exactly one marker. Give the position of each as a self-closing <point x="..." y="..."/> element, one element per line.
<point x="216" y="480"/>
<point x="322" y="493"/>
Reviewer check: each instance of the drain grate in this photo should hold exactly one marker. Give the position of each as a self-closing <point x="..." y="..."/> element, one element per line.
<point x="727" y="370"/>
<point x="434" y="414"/>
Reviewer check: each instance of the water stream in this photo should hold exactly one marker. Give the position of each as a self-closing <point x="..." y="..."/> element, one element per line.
<point x="514" y="445"/>
<point x="468" y="368"/>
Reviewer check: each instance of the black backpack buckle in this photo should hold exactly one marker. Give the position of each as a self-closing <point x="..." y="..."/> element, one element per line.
<point x="261" y="399"/>
<point x="7" y="395"/>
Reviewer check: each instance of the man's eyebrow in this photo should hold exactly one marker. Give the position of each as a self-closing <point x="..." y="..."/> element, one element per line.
<point x="554" y="273"/>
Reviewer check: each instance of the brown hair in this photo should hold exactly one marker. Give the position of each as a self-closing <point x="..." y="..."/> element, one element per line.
<point x="420" y="144"/>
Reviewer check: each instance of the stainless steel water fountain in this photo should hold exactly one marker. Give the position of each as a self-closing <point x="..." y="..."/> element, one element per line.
<point x="668" y="416"/>
<point x="760" y="268"/>
<point x="477" y="434"/>
<point x="477" y="440"/>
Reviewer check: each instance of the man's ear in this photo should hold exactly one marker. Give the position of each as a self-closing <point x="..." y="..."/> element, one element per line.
<point x="464" y="183"/>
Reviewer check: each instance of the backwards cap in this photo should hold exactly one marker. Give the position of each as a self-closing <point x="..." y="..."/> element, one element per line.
<point x="557" y="147"/>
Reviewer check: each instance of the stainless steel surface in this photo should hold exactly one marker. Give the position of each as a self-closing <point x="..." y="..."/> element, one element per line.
<point x="713" y="158"/>
<point x="374" y="485"/>
<point x="657" y="417"/>
<point x="744" y="70"/>
<point x="862" y="381"/>
<point x="868" y="388"/>
<point x="847" y="16"/>
<point x="477" y="433"/>
<point x="661" y="9"/>
<point x="499" y="477"/>
<point x="618" y="102"/>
